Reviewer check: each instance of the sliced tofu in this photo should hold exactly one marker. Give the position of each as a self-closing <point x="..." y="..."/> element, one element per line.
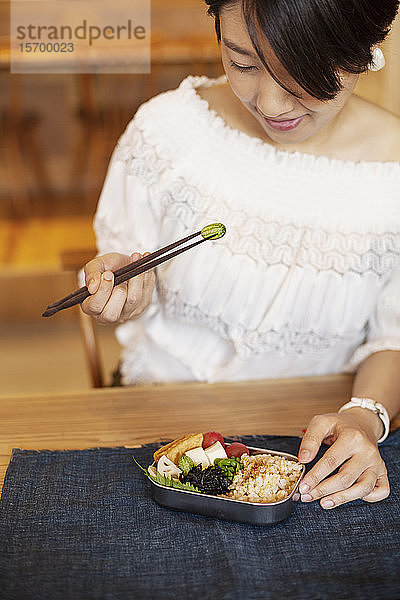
<point x="215" y="451"/>
<point x="198" y="456"/>
<point x="167" y="468"/>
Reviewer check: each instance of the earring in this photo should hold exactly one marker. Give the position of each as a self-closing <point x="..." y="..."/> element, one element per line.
<point x="378" y="60"/>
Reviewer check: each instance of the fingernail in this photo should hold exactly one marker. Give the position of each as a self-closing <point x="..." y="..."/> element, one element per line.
<point x="304" y="488"/>
<point x="305" y="455"/>
<point x="327" y="503"/>
<point x="306" y="498"/>
<point x="108" y="276"/>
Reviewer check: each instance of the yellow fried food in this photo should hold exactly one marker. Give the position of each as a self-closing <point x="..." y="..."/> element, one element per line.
<point x="174" y="450"/>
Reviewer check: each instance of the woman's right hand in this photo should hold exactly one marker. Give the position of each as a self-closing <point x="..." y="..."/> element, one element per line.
<point x="109" y="304"/>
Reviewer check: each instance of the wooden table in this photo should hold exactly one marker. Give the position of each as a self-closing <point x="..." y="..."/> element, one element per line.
<point x="132" y="416"/>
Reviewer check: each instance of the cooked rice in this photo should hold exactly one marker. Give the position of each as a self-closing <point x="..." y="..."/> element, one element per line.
<point x="265" y="478"/>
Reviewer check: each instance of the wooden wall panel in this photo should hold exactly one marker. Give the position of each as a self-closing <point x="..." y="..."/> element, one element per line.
<point x="383" y="87"/>
<point x="392" y="81"/>
<point x="24" y="296"/>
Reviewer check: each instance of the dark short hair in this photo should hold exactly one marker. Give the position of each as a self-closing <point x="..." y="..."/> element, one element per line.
<point x="315" y="39"/>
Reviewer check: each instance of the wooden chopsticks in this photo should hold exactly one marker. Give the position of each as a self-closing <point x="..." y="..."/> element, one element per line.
<point x="210" y="232"/>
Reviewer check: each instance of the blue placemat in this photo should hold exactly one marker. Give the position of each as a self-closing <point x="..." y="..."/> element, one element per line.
<point x="81" y="525"/>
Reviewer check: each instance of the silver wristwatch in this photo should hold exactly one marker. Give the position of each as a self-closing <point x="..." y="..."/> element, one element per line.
<point x="376" y="407"/>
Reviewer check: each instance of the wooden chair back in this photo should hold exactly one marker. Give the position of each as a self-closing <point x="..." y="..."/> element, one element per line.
<point x="74" y="260"/>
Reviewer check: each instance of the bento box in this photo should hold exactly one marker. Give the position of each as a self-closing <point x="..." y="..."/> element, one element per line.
<point x="230" y="508"/>
<point x="254" y="513"/>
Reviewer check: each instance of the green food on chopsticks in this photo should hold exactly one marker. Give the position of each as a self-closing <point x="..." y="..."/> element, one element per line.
<point x="167" y="481"/>
<point x="215" y="231"/>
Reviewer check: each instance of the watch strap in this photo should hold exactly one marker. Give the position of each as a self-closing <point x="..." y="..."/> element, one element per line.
<point x="375" y="407"/>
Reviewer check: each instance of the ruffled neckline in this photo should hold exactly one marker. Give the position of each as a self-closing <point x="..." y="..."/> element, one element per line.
<point x="188" y="88"/>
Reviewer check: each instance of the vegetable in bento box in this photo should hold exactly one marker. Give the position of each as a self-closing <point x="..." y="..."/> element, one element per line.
<point x="211" y="480"/>
<point x="185" y="464"/>
<point x="211" y="437"/>
<point x="197" y="462"/>
<point x="236" y="450"/>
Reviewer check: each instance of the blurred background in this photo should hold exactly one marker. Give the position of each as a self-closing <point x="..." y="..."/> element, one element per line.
<point x="57" y="133"/>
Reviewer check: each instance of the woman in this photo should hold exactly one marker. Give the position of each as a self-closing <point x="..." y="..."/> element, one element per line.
<point x="306" y="177"/>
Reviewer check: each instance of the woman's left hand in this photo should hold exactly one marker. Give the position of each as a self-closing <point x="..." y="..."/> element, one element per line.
<point x="362" y="472"/>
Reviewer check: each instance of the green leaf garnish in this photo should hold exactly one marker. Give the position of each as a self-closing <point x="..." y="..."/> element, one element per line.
<point x="215" y="231"/>
<point x="167" y="481"/>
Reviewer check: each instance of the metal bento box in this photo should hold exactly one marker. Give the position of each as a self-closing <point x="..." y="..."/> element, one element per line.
<point x="243" y="511"/>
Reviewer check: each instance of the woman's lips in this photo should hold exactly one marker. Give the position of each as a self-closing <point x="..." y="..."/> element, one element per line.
<point x="286" y="125"/>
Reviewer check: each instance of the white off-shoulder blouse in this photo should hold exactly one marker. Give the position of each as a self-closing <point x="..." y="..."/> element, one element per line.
<point x="306" y="280"/>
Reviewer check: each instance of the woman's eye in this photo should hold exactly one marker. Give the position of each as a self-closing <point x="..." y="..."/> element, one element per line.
<point x="242" y="68"/>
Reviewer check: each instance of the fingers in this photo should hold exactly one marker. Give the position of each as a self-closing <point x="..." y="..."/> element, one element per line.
<point x="100" y="264"/>
<point x="366" y="486"/>
<point x="338" y="490"/>
<point x="114" y="306"/>
<point x="362" y="476"/>
<point x="361" y="470"/>
<point x="344" y="479"/>
<point x="380" y="491"/>
<point x="148" y="286"/>
<point x="331" y="460"/>
<point x="139" y="292"/>
<point x="94" y="305"/>
<point x="320" y="427"/>
<point x="349" y="444"/>
<point x="93" y="271"/>
<point x="109" y="304"/>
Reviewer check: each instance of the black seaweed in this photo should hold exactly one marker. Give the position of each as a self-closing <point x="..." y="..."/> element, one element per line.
<point x="211" y="480"/>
